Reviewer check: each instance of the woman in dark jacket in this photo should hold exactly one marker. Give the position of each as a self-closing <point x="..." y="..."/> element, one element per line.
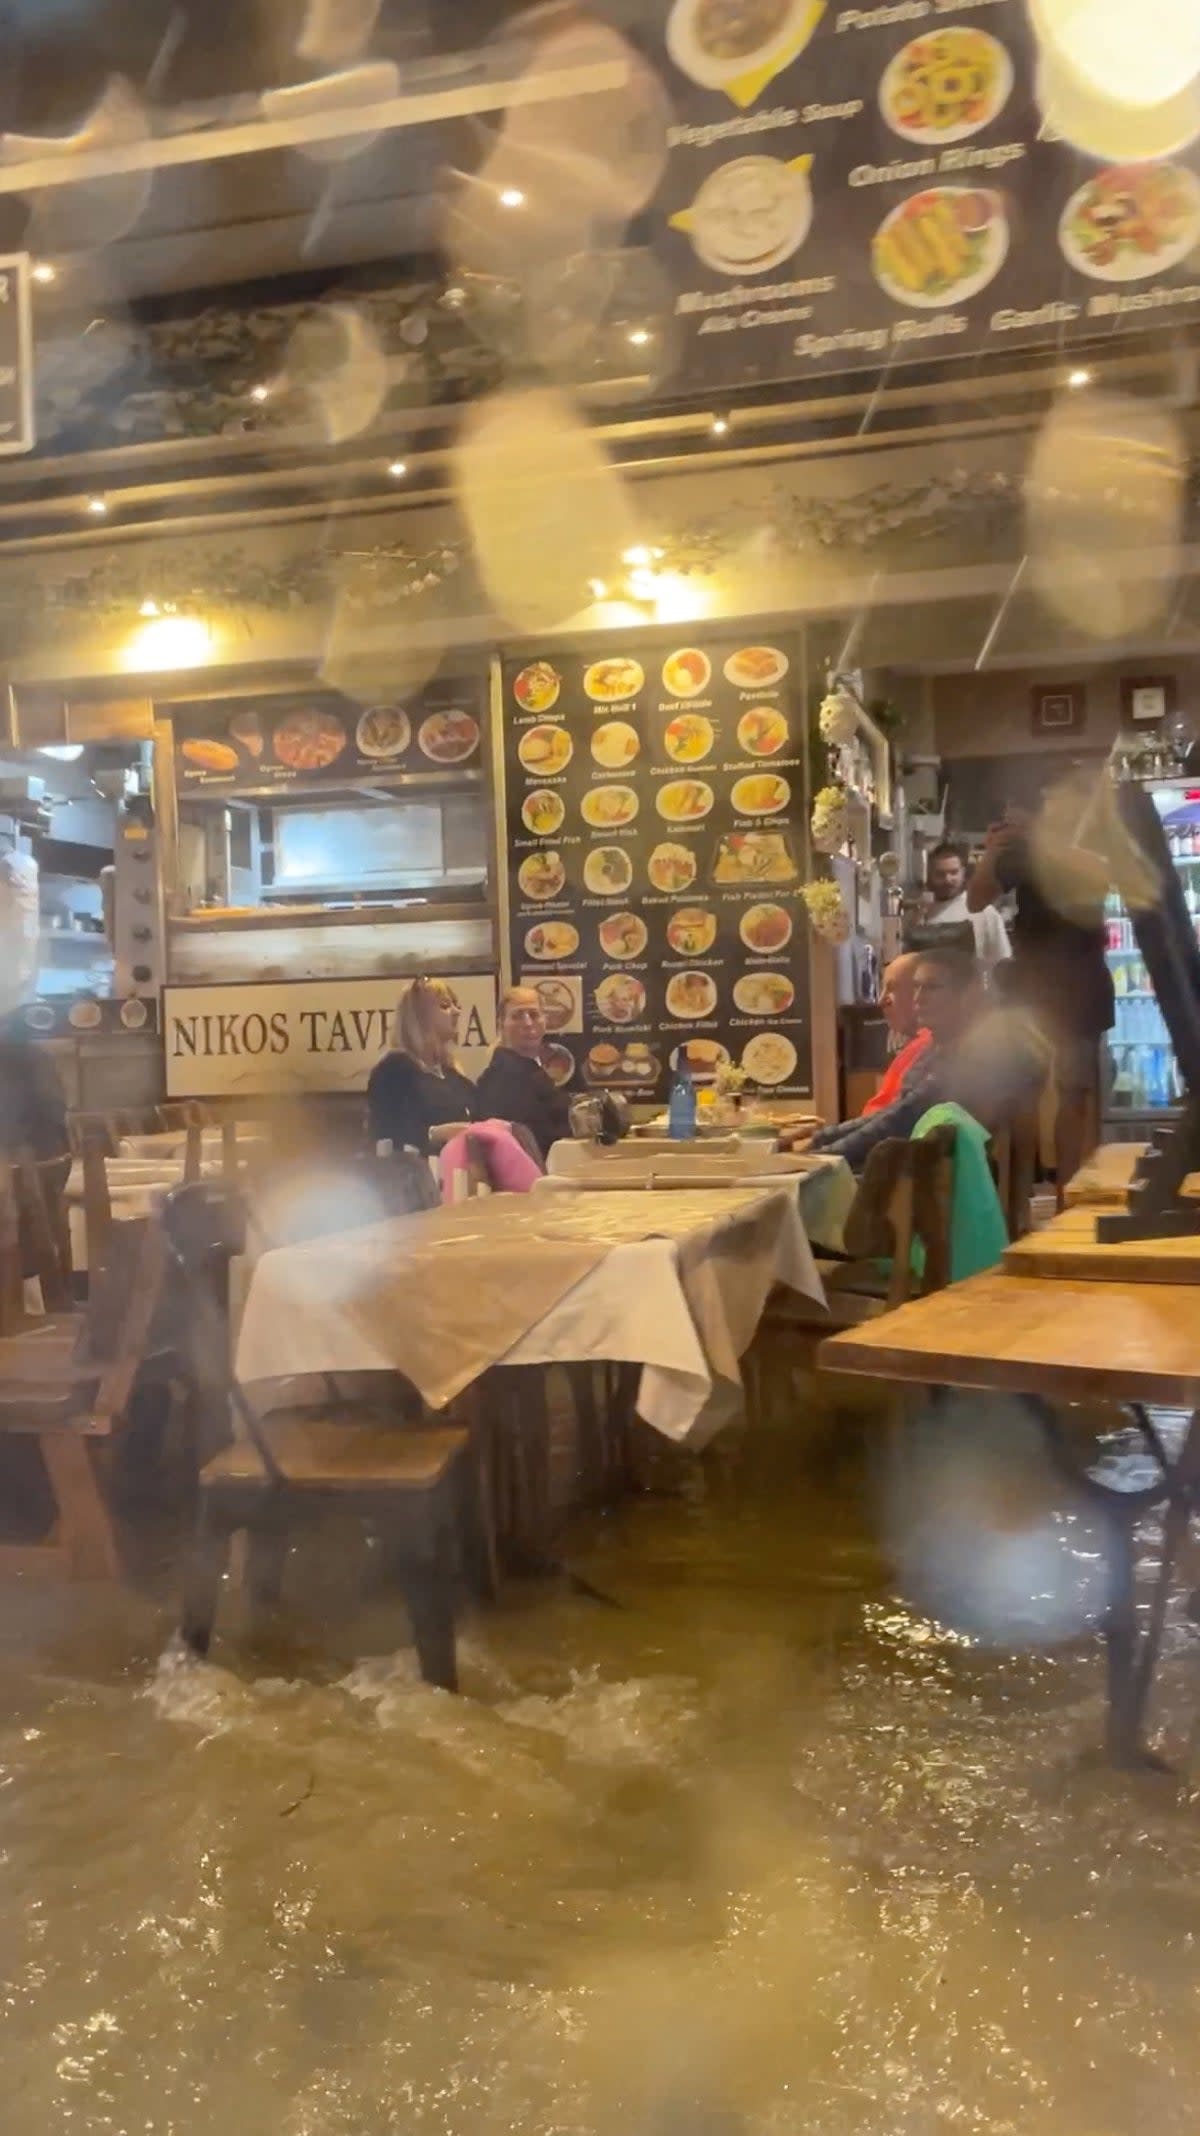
<point x="418" y="1096"/>
<point x="514" y="1086"/>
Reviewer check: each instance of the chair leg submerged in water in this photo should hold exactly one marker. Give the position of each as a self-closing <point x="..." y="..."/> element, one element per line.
<point x="292" y="1467"/>
<point x="406" y="1488"/>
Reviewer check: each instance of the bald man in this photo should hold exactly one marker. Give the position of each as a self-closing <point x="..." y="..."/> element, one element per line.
<point x="897" y="999"/>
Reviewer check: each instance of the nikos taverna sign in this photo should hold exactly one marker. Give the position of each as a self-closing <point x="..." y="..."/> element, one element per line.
<point x="297" y="1036"/>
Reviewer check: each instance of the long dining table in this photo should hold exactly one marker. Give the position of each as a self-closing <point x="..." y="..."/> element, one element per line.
<point x="673" y="1283"/>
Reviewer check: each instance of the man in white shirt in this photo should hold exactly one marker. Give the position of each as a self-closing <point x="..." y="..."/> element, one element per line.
<point x="947" y="878"/>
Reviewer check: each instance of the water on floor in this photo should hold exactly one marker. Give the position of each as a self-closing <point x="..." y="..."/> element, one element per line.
<point x="748" y="1847"/>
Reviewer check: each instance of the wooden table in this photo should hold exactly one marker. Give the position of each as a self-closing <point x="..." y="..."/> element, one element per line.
<point x="1108" y="1173"/>
<point x="1129" y="1343"/>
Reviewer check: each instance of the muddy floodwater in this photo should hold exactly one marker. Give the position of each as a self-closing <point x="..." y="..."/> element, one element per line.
<point x="749" y="1847"/>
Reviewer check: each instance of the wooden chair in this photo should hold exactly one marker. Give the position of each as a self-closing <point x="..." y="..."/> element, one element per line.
<point x="67" y="1382"/>
<point x="1014" y="1158"/>
<point x="291" y="1466"/>
<point x="904" y="1197"/>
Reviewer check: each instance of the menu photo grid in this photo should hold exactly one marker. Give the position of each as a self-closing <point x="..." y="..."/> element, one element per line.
<point x="656" y="803"/>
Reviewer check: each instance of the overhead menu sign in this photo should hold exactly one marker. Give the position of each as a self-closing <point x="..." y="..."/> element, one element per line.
<point x="16" y="356"/>
<point x="260" y="744"/>
<point x="861" y="185"/>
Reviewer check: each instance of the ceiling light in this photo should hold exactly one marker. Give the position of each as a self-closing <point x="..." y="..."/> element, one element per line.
<point x="42" y="271"/>
<point x="639" y="337"/>
<point x="1079" y="378"/>
<point x="512" y="197"/>
<point x="720" y="426"/>
<point x="97" y="507"/>
<point x="398" y="468"/>
<point x="260" y="393"/>
<point x="62" y="752"/>
<point x="639" y="557"/>
<point x="148" y="608"/>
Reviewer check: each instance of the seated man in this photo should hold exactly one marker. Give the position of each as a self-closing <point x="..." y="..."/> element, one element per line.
<point x="897" y="1001"/>
<point x="980" y="1059"/>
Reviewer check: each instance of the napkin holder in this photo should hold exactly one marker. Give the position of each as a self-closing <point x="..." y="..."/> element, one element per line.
<point x="1156" y="1207"/>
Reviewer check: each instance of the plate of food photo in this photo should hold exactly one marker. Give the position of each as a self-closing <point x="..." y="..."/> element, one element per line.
<point x="383" y="731"/>
<point x="1130" y="221"/>
<point x="762" y="793"/>
<point x="551" y="940"/>
<point x="689" y="737"/>
<point x="542" y="812"/>
<point x="620" y="998"/>
<point x="941" y="246"/>
<point x="448" y="737"/>
<point x="735" y="44"/>
<point x="769" y="1058"/>
<point x="615" y="744"/>
<point x="622" y="935"/>
<point x="946" y="86"/>
<point x="610" y="682"/>
<point x="763" y="994"/>
<point x="766" y="929"/>
<point x="692" y="930"/>
<point x="606" y="808"/>
<point x="308" y="740"/>
<point x="542" y="875"/>
<point x="684" y="800"/>
<point x="762" y="732"/>
<point x="756" y="667"/>
<point x="749" y="215"/>
<point x="608" y="871"/>
<point x="537" y="686"/>
<point x="691" y="994"/>
<point x="545" y="750"/>
<point x="687" y="672"/>
<point x="672" y="867"/>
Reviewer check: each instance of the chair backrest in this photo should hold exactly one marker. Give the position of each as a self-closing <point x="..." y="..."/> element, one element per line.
<point x="1014" y="1155"/>
<point x="904" y="1196"/>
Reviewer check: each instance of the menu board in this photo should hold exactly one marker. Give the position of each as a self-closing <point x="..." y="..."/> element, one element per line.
<point x="656" y="805"/>
<point x="871" y="184"/>
<point x="263" y="742"/>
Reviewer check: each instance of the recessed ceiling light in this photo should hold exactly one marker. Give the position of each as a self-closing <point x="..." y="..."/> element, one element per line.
<point x="97" y="506"/>
<point x="43" y="271"/>
<point x="1078" y="378"/>
<point x="512" y="197"/>
<point x="639" y="336"/>
<point x="260" y="393"/>
<point x="398" y="468"/>
<point x="720" y="426"/>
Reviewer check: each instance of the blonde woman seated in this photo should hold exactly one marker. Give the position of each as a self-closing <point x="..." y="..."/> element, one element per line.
<point x="418" y="1096"/>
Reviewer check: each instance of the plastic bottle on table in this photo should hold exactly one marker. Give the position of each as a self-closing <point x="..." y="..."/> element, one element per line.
<point x="681" y="1105"/>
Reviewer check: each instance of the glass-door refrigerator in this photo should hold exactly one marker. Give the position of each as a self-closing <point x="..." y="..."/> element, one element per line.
<point x="1144" y="1082"/>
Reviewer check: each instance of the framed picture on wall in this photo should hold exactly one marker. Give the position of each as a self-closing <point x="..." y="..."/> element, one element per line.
<point x="1059" y="708"/>
<point x="1147" y="697"/>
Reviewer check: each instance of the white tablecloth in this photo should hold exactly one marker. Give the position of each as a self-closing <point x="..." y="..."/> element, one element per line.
<point x="672" y="1305"/>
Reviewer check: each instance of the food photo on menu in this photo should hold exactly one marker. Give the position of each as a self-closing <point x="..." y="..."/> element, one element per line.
<point x="256" y="745"/>
<point x="847" y="184"/>
<point x="655" y="804"/>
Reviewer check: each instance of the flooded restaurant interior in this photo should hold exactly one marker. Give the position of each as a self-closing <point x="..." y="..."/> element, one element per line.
<point x="599" y="1067"/>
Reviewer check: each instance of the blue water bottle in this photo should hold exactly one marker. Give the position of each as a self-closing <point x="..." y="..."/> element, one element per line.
<point x="681" y="1106"/>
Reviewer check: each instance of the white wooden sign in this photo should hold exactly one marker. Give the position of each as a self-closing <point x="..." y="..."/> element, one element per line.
<point x="320" y="1034"/>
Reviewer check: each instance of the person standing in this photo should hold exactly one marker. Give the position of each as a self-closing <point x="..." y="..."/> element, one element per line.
<point x="947" y="876"/>
<point x="514" y="1085"/>
<point x="1059" y="968"/>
